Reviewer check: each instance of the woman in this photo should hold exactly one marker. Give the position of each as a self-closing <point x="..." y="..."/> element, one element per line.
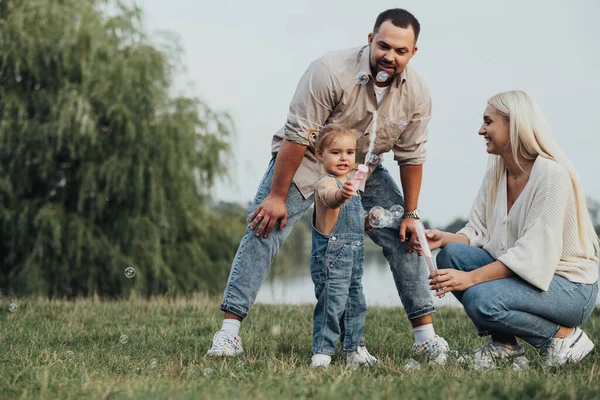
<point x="526" y="264"/>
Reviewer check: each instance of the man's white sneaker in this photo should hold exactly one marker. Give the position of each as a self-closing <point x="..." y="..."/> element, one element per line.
<point x="320" y="360"/>
<point x="360" y="358"/>
<point x="570" y="349"/>
<point x="435" y="349"/>
<point x="488" y="354"/>
<point x="225" y="344"/>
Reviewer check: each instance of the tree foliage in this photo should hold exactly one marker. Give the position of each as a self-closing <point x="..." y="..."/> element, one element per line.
<point x="101" y="167"/>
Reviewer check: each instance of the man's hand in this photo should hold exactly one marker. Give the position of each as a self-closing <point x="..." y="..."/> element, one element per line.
<point x="267" y="214"/>
<point x="408" y="225"/>
<point x="448" y="280"/>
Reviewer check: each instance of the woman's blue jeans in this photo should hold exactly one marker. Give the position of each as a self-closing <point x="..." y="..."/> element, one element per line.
<point x="514" y="307"/>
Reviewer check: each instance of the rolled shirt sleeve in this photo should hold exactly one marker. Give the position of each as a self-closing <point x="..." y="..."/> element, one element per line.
<point x="410" y="148"/>
<point x="315" y="98"/>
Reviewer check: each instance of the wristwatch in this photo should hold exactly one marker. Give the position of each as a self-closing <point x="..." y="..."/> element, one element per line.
<point x="412" y="214"/>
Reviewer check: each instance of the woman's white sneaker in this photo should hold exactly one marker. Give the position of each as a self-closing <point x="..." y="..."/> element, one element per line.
<point x="570" y="349"/>
<point x="490" y="353"/>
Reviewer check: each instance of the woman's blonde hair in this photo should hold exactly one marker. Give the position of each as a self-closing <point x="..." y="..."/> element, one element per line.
<point x="530" y="137"/>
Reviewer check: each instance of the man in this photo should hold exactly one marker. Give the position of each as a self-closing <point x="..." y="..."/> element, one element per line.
<point x="333" y="90"/>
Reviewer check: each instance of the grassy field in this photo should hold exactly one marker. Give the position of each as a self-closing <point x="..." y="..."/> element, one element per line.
<point x="67" y="350"/>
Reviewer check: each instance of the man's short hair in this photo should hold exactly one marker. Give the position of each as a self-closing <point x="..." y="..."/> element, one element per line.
<point x="400" y="18"/>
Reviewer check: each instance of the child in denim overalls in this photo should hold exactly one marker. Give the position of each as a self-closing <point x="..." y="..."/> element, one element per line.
<point x="338" y="253"/>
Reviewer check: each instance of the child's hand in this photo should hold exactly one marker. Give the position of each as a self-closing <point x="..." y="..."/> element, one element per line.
<point x="368" y="226"/>
<point x="347" y="190"/>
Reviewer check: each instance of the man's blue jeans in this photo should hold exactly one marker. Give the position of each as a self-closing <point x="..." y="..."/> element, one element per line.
<point x="255" y="254"/>
<point x="513" y="306"/>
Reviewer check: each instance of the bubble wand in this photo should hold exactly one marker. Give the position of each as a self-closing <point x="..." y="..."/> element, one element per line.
<point x="426" y="250"/>
<point x="362" y="170"/>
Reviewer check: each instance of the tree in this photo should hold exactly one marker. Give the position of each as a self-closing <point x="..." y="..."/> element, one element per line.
<point x="101" y="168"/>
<point x="594" y="209"/>
<point x="456" y="225"/>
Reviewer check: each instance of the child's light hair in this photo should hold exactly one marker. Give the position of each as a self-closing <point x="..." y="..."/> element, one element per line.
<point x="530" y="137"/>
<point x="327" y="136"/>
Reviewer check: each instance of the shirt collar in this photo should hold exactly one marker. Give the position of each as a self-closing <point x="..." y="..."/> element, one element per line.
<point x="364" y="65"/>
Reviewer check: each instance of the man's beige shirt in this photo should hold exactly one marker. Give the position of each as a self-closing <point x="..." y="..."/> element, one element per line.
<point x="328" y="93"/>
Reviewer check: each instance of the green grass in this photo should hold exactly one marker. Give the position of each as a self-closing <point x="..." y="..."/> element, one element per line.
<point x="35" y="363"/>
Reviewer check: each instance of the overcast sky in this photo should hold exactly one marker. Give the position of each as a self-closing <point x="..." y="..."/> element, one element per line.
<point x="246" y="58"/>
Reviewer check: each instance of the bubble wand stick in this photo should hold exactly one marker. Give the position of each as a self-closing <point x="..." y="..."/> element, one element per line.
<point x="426" y="250"/>
<point x="362" y="170"/>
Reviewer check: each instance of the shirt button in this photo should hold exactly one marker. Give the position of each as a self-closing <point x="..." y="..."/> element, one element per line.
<point x="501" y="246"/>
<point x="357" y="243"/>
<point x="504" y="220"/>
<point x="333" y="238"/>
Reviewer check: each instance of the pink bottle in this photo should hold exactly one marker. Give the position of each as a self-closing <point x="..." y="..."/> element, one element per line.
<point x="359" y="175"/>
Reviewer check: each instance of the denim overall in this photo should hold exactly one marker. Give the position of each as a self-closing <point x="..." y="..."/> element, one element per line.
<point x="336" y="267"/>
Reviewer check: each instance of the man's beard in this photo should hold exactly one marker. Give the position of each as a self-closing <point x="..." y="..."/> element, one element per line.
<point x="380" y="64"/>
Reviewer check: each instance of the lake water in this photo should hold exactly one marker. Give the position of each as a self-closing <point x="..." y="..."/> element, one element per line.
<point x="378" y="286"/>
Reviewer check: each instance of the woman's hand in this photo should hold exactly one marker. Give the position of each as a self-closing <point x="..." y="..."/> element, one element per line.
<point x="448" y="280"/>
<point x="434" y="240"/>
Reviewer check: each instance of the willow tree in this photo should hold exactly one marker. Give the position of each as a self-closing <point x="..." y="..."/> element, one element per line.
<point x="101" y="167"/>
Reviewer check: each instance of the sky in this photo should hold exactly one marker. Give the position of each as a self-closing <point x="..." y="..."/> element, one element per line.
<point x="246" y="58"/>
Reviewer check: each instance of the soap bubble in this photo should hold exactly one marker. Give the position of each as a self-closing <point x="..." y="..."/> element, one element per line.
<point x="138" y="371"/>
<point x="130" y="272"/>
<point x="36" y="87"/>
<point x="13" y="307"/>
<point x="411" y="364"/>
<point x="153" y="363"/>
<point x="208" y="372"/>
<point x="240" y="364"/>
<point x="275" y="330"/>
<point x="382" y="76"/>
<point x="373" y="159"/>
<point x="124" y="339"/>
<point x="464" y="359"/>
<point x="520" y="363"/>
<point x="402" y="125"/>
<point x="69" y="353"/>
<point x="18" y="78"/>
<point x="380" y="217"/>
<point x="397" y="211"/>
<point x="362" y="78"/>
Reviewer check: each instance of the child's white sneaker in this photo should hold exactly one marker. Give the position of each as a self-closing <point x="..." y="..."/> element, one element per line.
<point x="360" y="358"/>
<point x="570" y="349"/>
<point x="225" y="344"/>
<point x="320" y="360"/>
